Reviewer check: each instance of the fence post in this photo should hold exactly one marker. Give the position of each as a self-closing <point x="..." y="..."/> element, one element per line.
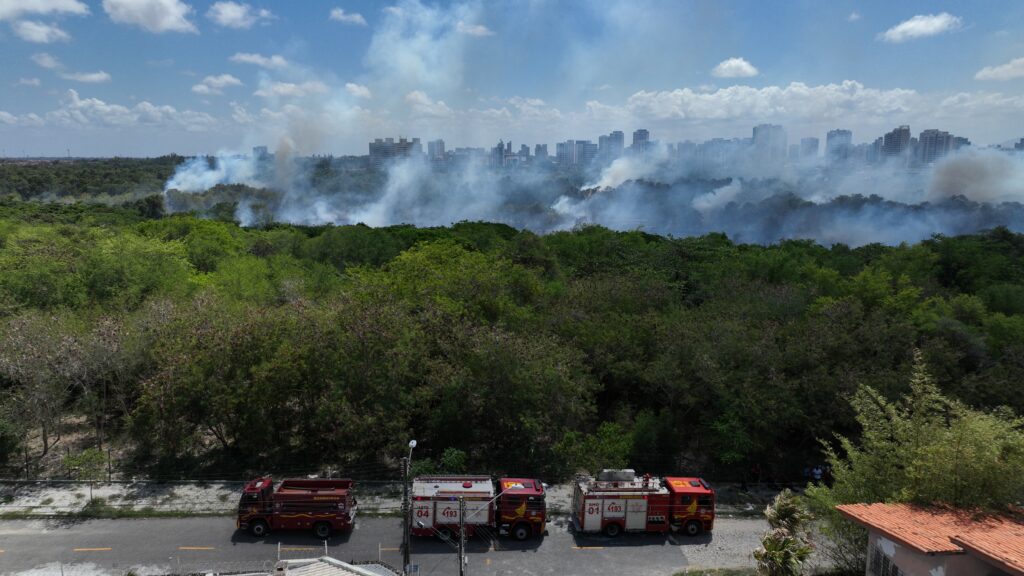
<point x="109" y="468"/>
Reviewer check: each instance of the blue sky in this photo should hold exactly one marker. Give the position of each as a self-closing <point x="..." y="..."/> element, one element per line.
<point x="143" y="77"/>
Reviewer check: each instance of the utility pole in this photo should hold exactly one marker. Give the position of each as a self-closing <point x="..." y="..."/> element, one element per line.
<point x="405" y="515"/>
<point x="406" y="510"/>
<point x="462" y="536"/>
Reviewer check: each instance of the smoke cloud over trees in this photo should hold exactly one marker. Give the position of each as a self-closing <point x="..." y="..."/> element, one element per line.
<point x="749" y="201"/>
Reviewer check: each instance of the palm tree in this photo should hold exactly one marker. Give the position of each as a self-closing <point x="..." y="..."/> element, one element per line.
<point x="784" y="549"/>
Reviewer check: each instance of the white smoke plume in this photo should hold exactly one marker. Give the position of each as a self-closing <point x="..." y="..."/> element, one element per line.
<point x="198" y="175"/>
<point x="414" y="67"/>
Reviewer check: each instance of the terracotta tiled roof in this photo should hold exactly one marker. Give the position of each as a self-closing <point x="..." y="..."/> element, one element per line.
<point x="1004" y="549"/>
<point x="998" y="539"/>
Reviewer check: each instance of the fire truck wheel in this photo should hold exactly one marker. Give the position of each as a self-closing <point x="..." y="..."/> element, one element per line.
<point x="521" y="532"/>
<point x="258" y="528"/>
<point x="693" y="528"/>
<point x="322" y="530"/>
<point x="444" y="534"/>
<point x="612" y="530"/>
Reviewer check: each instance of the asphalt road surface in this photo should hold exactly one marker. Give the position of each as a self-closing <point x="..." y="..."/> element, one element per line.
<point x="153" y="546"/>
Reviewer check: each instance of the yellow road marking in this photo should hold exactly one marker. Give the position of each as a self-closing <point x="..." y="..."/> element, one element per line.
<point x="390" y="549"/>
<point x="196" y="548"/>
<point x="93" y="549"/>
<point x="588" y="547"/>
<point x="487" y="562"/>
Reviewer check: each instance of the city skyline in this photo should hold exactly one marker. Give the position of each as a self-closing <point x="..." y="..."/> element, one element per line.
<point x="768" y="143"/>
<point x="147" y="77"/>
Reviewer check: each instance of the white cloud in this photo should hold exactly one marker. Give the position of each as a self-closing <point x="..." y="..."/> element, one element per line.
<point x="339" y="15"/>
<point x="921" y="26"/>
<point x="12" y="9"/>
<point x="156" y="16"/>
<point x="50" y="62"/>
<point x="795" y="101"/>
<point x="236" y="15"/>
<point x="239" y="114"/>
<point x="1012" y="69"/>
<point x="39" y="32"/>
<point x="734" y="68"/>
<point x="214" y="85"/>
<point x="29" y="82"/>
<point x="291" y="89"/>
<point x="76" y="111"/>
<point x="473" y="29"/>
<point x="274" y="61"/>
<point x="853" y="17"/>
<point x="47" y="61"/>
<point x="418" y="47"/>
<point x="358" y="90"/>
<point x="423" y="105"/>
<point x="87" y="77"/>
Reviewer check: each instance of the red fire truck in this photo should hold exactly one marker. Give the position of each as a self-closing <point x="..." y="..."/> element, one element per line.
<point x="618" y="501"/>
<point x="321" y="504"/>
<point x="516" y="508"/>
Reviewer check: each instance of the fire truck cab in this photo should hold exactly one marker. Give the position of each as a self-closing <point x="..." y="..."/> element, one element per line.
<point x="323" y="505"/>
<point x="521" y="507"/>
<point x="693" y="504"/>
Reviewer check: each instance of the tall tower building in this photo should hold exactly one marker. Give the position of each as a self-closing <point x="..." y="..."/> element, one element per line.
<point x="809" y="147"/>
<point x="565" y="153"/>
<point x="934" y="144"/>
<point x="770" y="142"/>
<point x="616" y="144"/>
<point x="586" y="152"/>
<point x="897" y="142"/>
<point x="641" y="141"/>
<point x="838" y="144"/>
<point x="435" y="150"/>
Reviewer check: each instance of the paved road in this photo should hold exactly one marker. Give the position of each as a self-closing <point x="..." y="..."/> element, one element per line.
<point x="98" y="547"/>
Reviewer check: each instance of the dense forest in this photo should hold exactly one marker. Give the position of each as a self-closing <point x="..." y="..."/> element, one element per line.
<point x="202" y="345"/>
<point x="125" y="178"/>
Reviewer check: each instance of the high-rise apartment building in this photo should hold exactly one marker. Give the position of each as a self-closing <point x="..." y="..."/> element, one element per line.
<point x="382" y="151"/>
<point x="897" y="142"/>
<point x="540" y="151"/>
<point x="641" y="141"/>
<point x="838" y="144"/>
<point x="616" y="144"/>
<point x="586" y="152"/>
<point x="934" y="144"/>
<point x="809" y="147"/>
<point x="565" y="153"/>
<point x="435" y="150"/>
<point x="770" y="142"/>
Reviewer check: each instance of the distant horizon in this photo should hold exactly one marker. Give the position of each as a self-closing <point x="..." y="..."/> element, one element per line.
<point x="144" y="78"/>
<point x="1005" y="145"/>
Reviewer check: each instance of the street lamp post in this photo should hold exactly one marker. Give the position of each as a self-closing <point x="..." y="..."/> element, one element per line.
<point x="406" y="509"/>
